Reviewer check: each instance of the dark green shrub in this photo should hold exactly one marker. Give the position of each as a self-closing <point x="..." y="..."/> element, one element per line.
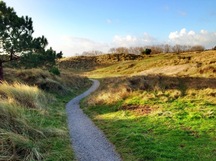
<point x="146" y="52"/>
<point x="54" y="70"/>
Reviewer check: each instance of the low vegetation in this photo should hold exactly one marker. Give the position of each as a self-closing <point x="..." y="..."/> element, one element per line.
<point x="158" y="115"/>
<point x="32" y="114"/>
<point x="190" y="64"/>
<point x="64" y="83"/>
<point x="83" y="63"/>
<point x="154" y="107"/>
<point x="18" y="136"/>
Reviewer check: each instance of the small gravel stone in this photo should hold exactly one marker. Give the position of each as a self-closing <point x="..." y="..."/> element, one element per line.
<point x="89" y="143"/>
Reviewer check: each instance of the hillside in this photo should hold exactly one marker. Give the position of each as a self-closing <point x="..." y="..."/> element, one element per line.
<point x="92" y="62"/>
<point x="159" y="107"/>
<point x="33" y="119"/>
<point x="189" y="63"/>
<point x="192" y="64"/>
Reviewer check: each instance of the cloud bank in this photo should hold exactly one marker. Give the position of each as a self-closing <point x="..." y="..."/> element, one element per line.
<point x="70" y="45"/>
<point x="184" y="37"/>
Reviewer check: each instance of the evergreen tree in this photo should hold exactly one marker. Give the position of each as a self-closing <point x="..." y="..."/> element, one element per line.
<point x="16" y="41"/>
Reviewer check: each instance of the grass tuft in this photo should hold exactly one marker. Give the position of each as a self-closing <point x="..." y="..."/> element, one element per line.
<point x="30" y="97"/>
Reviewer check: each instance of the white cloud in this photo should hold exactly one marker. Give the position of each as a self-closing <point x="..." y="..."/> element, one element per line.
<point x="191" y="33"/>
<point x="70" y="45"/>
<point x="182" y="37"/>
<point x="130" y="41"/>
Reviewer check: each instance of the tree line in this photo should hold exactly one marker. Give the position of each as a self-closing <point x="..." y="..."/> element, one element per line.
<point x="155" y="49"/>
<point x="17" y="43"/>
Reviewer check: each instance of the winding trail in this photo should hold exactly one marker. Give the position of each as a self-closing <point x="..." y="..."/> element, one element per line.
<point x="89" y="143"/>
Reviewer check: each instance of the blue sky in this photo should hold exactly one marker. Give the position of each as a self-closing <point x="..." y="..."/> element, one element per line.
<point x="74" y="26"/>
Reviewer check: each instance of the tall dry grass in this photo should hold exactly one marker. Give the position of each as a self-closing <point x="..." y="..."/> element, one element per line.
<point x="29" y="96"/>
<point x="47" y="81"/>
<point x="115" y="89"/>
<point x="17" y="135"/>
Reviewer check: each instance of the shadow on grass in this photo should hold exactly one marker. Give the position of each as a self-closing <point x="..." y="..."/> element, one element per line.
<point x="158" y="82"/>
<point x="184" y="135"/>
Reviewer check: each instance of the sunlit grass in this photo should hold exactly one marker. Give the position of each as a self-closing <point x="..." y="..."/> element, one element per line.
<point x="157" y="117"/>
<point x="178" y="129"/>
<point x="48" y="82"/>
<point x="189" y="63"/>
<point x="28" y="96"/>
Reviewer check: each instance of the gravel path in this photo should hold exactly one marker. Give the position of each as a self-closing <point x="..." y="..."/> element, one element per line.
<point x="88" y="142"/>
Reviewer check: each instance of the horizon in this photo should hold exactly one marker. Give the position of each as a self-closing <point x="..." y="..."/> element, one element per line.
<point x="74" y="27"/>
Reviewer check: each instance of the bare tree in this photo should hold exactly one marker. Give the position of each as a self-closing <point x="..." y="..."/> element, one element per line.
<point x="156" y="49"/>
<point x="177" y="49"/>
<point x="112" y="50"/>
<point x="167" y="48"/>
<point x="92" y="53"/>
<point x="121" y="50"/>
<point x="135" y="50"/>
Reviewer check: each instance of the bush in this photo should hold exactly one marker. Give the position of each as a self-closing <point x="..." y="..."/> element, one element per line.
<point x="146" y="51"/>
<point x="54" y="70"/>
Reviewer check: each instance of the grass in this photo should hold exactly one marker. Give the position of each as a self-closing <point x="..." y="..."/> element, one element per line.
<point x="156" y="115"/>
<point x="33" y="122"/>
<point x="28" y="96"/>
<point x="18" y="135"/>
<point x="188" y="64"/>
<point x="66" y="82"/>
<point x="159" y="125"/>
<point x="148" y="108"/>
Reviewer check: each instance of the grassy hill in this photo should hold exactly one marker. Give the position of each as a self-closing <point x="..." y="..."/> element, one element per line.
<point x="32" y="114"/>
<point x="83" y="63"/>
<point x="158" y="107"/>
<point x="190" y="63"/>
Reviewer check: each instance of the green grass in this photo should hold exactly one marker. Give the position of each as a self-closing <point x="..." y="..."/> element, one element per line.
<point x="179" y="129"/>
<point x="56" y="145"/>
